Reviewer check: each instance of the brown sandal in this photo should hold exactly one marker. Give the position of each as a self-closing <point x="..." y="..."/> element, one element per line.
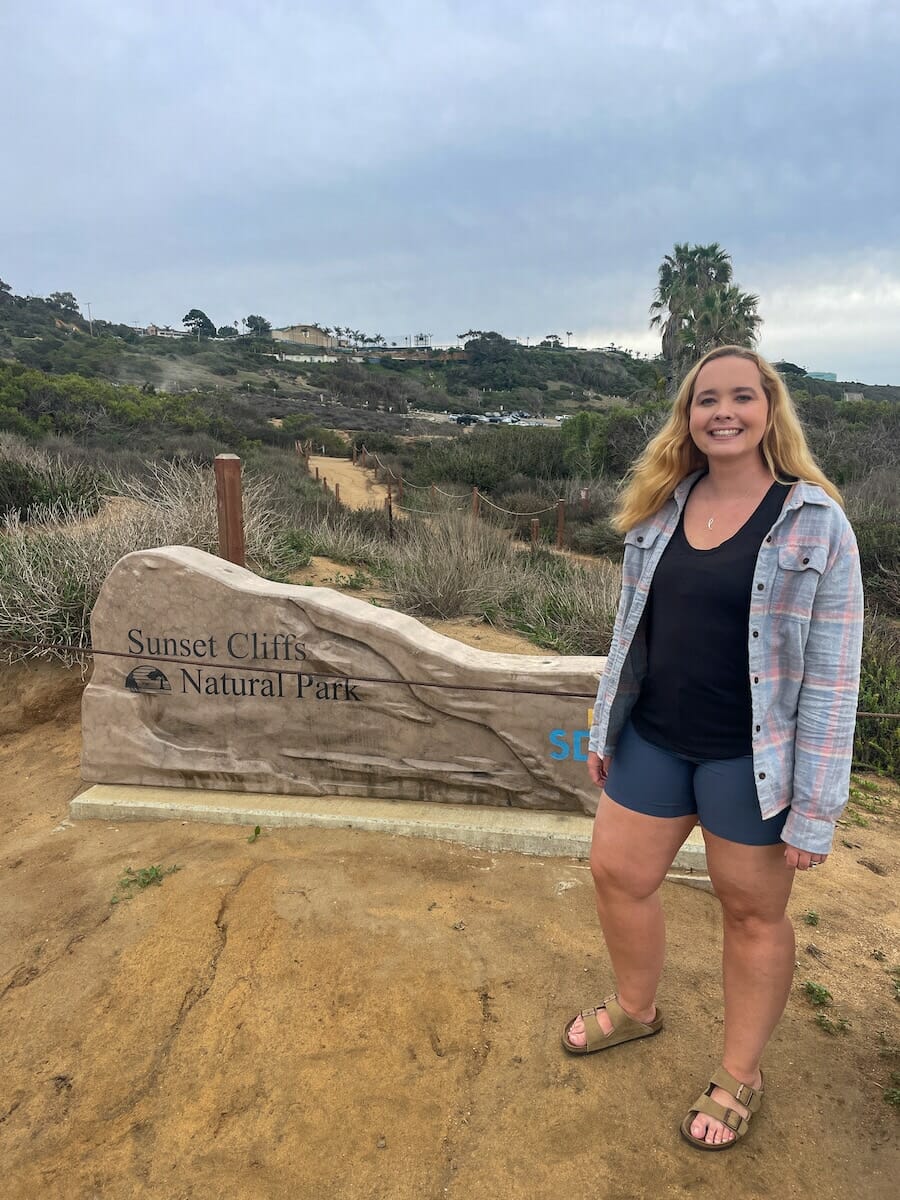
<point x="624" y="1028"/>
<point x="743" y="1093"/>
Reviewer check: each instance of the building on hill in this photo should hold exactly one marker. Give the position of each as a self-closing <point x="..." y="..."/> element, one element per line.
<point x="165" y="331"/>
<point x="306" y="335"/>
<point x="853" y="397"/>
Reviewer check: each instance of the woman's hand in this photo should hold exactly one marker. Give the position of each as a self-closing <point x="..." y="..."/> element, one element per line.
<point x="802" y="860"/>
<point x="598" y="768"/>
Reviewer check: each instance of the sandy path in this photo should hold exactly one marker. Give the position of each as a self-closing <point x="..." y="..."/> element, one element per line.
<point x="358" y="486"/>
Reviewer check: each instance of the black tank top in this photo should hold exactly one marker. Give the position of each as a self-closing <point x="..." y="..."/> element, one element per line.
<point x="695" y="699"/>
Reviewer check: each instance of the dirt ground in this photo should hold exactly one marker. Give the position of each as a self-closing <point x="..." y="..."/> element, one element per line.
<point x="358" y="487"/>
<point x="342" y="1014"/>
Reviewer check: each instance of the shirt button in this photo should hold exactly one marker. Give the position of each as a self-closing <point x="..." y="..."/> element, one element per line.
<point x="756" y="679"/>
<point x="769" y="538"/>
<point x="762" y="774"/>
<point x="760" y="587"/>
<point x="640" y="539"/>
<point x="756" y="633"/>
<point x="758" y="728"/>
<point x="805" y="561"/>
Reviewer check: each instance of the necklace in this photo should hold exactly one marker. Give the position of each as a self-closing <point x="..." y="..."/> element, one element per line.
<point x="739" y="499"/>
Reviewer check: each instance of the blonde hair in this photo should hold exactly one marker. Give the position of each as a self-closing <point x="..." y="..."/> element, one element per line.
<point x="672" y="454"/>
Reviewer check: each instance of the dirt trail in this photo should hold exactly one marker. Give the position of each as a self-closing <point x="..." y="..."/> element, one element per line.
<point x="341" y="1014"/>
<point x="358" y="486"/>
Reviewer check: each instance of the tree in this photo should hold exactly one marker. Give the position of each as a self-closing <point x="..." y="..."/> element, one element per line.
<point x="698" y="307"/>
<point x="64" y="301"/>
<point x="199" y="323"/>
<point x="258" y="326"/>
<point x="684" y="276"/>
<point x="226" y="331"/>
<point x="724" y="316"/>
<point x="5" y="291"/>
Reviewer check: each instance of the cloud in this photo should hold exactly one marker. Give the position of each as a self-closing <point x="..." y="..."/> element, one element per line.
<point x="385" y="163"/>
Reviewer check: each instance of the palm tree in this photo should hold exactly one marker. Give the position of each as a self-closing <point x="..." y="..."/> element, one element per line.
<point x="684" y="277"/>
<point x="723" y="316"/>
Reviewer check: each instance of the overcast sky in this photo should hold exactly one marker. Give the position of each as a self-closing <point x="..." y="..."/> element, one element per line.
<point x="405" y="167"/>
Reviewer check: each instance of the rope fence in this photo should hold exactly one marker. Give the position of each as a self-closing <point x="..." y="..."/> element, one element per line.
<point x="365" y="457"/>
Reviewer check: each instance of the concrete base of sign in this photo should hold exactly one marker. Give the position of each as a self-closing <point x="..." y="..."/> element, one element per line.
<point x="546" y="834"/>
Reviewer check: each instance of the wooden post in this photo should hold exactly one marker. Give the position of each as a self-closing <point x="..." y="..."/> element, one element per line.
<point x="560" y="522"/>
<point x="365" y="457"/>
<point x="229" y="507"/>
<point x="354" y="454"/>
<point x="400" y="488"/>
<point x="585" y="501"/>
<point x="476" y="502"/>
<point x="324" y="483"/>
<point x="298" y="447"/>
<point x="337" y="492"/>
<point x="317" y="474"/>
<point x="535" y="532"/>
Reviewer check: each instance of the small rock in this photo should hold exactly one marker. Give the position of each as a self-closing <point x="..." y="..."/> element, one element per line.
<point x="460" y="925"/>
<point x="382" y="1142"/>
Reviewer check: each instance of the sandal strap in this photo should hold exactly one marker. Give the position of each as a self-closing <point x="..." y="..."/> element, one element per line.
<point x="594" y="1035"/>
<point x="729" y="1117"/>
<point x="619" y="1019"/>
<point x="751" y="1098"/>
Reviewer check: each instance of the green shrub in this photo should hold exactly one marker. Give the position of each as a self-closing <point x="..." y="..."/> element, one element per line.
<point x="598" y="537"/>
<point x="566" y="606"/>
<point x="50" y="576"/>
<point x="877" y="743"/>
<point x="31" y="477"/>
<point x="451" y="566"/>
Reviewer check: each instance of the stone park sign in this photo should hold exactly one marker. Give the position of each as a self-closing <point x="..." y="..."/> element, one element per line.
<point x="207" y="676"/>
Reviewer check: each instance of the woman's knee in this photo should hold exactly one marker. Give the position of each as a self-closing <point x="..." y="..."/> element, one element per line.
<point x="616" y="875"/>
<point x="747" y="917"/>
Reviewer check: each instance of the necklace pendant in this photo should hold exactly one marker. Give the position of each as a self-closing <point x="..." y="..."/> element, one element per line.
<point x="709" y="523"/>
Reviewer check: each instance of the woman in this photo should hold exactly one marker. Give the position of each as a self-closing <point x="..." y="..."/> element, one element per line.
<point x="728" y="699"/>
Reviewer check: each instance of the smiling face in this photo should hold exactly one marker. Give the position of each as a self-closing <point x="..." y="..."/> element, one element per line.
<point x="729" y="409"/>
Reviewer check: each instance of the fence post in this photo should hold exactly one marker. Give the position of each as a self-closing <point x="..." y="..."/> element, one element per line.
<point x="560" y="522"/>
<point x="365" y="457"/>
<point x="535" y="532"/>
<point x="325" y="483"/>
<point x="229" y="507"/>
<point x="317" y="474"/>
<point x="476" y="502"/>
<point x="585" y="501"/>
<point x="400" y="488"/>
<point x="354" y="454"/>
<point x="337" y="492"/>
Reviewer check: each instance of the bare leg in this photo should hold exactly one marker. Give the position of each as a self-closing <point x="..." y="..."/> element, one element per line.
<point x="754" y="885"/>
<point x="630" y="855"/>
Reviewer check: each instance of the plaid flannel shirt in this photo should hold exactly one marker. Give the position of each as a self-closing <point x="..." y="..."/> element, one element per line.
<point x="804" y="645"/>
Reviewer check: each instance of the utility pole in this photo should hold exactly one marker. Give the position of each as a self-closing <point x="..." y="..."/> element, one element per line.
<point x="90" y="318"/>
